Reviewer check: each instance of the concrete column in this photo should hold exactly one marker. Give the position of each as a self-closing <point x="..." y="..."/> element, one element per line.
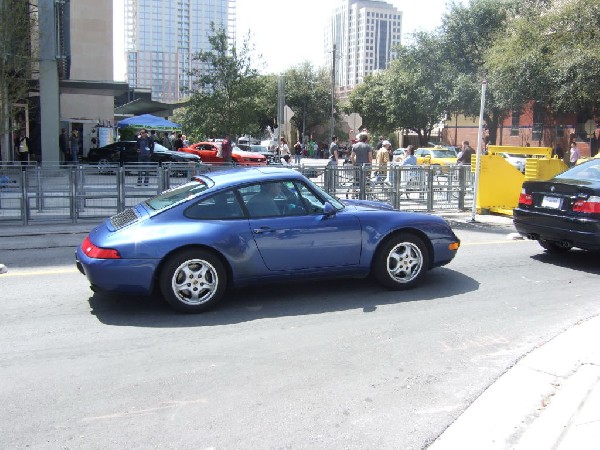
<point x="49" y="91"/>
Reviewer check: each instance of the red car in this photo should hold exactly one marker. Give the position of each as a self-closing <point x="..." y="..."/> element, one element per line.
<point x="208" y="153"/>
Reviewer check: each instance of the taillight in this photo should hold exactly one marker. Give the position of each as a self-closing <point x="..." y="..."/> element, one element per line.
<point x="97" y="252"/>
<point x="525" y="198"/>
<point x="591" y="205"/>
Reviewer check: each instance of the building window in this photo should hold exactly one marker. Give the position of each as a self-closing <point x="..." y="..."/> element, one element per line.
<point x="514" y="127"/>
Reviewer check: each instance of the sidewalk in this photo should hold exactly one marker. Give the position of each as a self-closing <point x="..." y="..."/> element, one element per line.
<point x="550" y="399"/>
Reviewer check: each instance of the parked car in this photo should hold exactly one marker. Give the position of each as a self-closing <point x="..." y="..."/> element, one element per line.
<point x="250" y="226"/>
<point x="440" y="157"/>
<point x="122" y="152"/>
<point x="398" y="155"/>
<point x="208" y="152"/>
<point x="562" y="212"/>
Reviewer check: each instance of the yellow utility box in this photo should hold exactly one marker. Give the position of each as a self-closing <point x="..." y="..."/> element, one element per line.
<point x="503" y="170"/>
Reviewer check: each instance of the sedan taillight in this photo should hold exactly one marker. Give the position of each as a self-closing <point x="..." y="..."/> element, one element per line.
<point x="591" y="205"/>
<point x="525" y="198"/>
<point x="98" y="252"/>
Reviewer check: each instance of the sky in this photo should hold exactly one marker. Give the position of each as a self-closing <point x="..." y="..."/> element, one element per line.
<point x="289" y="32"/>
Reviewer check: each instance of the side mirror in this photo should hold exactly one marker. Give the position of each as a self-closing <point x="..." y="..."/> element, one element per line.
<point x="329" y="210"/>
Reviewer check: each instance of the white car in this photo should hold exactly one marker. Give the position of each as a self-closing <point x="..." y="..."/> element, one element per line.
<point x="517" y="160"/>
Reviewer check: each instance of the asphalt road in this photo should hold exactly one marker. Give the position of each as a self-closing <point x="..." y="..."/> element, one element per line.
<point x="334" y="364"/>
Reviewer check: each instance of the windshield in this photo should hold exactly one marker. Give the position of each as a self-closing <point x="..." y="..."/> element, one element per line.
<point x="180" y="193"/>
<point x="443" y="154"/>
<point x="587" y="171"/>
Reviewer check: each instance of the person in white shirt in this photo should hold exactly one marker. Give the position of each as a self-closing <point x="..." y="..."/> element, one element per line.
<point x="574" y="155"/>
<point x="283" y="148"/>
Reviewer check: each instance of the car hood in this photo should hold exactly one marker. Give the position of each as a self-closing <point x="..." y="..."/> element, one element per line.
<point x="367" y="205"/>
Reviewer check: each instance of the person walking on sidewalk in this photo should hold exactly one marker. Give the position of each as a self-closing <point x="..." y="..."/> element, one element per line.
<point x="145" y="147"/>
<point x="297" y="152"/>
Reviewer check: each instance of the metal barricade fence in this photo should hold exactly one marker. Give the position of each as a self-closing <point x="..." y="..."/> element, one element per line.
<point x="44" y="194"/>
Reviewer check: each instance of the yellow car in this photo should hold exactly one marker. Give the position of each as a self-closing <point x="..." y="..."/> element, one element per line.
<point x="436" y="156"/>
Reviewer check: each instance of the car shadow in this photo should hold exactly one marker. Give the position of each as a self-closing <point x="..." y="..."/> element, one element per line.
<point x="277" y="300"/>
<point x="575" y="259"/>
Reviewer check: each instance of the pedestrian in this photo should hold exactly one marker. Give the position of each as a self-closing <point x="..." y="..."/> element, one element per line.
<point x="145" y="147"/>
<point x="410" y="159"/>
<point x="186" y="143"/>
<point x="165" y="142"/>
<point x="297" y="152"/>
<point x="574" y="155"/>
<point x="62" y="145"/>
<point x="379" y="143"/>
<point x="557" y="152"/>
<point x="283" y="148"/>
<point x="382" y="158"/>
<point x="226" y="149"/>
<point x="23" y="148"/>
<point x="464" y="157"/>
<point x="74" y="146"/>
<point x="178" y="143"/>
<point x="154" y="136"/>
<point x="362" y="152"/>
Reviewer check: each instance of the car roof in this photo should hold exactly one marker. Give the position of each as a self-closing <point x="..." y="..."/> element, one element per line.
<point x="235" y="176"/>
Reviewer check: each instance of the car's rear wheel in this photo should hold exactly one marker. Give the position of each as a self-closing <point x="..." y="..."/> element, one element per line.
<point x="103" y="165"/>
<point x="193" y="281"/>
<point x="401" y="262"/>
<point x="554" y="247"/>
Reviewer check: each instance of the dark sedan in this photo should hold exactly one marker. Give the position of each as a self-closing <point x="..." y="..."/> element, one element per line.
<point x="122" y="152"/>
<point x="562" y="212"/>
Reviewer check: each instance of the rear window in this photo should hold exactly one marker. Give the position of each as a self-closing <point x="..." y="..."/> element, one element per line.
<point x="586" y="171"/>
<point x="180" y="193"/>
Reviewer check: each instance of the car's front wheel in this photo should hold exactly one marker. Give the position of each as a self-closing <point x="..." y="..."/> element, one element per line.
<point x="193" y="281"/>
<point x="402" y="261"/>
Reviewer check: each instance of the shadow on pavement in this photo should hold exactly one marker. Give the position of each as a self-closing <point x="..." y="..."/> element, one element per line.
<point x="277" y="300"/>
<point x="576" y="259"/>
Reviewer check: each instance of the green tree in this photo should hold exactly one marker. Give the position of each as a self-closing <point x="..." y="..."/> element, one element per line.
<point x="412" y="94"/>
<point x="308" y="94"/>
<point x="17" y="20"/>
<point x="468" y="31"/>
<point x="223" y="100"/>
<point x="550" y="57"/>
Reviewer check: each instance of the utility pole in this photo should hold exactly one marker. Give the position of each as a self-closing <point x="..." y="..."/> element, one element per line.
<point x="49" y="93"/>
<point x="332" y="120"/>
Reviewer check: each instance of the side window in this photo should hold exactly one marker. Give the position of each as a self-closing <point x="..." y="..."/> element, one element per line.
<point x="221" y="206"/>
<point x="273" y="199"/>
<point x="313" y="204"/>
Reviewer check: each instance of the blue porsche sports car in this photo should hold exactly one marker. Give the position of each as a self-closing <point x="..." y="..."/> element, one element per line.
<point x="254" y="225"/>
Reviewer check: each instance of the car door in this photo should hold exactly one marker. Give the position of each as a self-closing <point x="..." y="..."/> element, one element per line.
<point x="301" y="236"/>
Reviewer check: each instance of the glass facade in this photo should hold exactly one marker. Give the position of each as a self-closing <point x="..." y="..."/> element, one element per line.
<point x="365" y="33"/>
<point x="161" y="37"/>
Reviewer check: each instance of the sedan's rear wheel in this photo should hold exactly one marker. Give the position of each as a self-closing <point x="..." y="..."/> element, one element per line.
<point x="553" y="247"/>
<point x="193" y="281"/>
<point x="103" y="165"/>
<point x="401" y="263"/>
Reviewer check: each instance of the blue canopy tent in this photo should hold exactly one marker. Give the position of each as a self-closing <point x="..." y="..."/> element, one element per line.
<point x="148" y="121"/>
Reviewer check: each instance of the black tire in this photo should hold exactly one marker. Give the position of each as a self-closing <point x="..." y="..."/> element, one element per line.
<point x="193" y="281"/>
<point x="103" y="166"/>
<point x="401" y="262"/>
<point x="553" y="247"/>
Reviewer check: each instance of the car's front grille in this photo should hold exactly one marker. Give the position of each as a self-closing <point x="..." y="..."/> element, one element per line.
<point x="123" y="218"/>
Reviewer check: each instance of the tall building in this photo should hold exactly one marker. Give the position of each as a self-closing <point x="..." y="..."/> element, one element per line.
<point x="162" y="36"/>
<point x="364" y="33"/>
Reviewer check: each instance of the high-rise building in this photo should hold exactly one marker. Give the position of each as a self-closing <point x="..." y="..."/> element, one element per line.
<point x="361" y="35"/>
<point x="162" y="36"/>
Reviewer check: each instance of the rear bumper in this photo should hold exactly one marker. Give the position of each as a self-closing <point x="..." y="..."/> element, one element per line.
<point x="580" y="232"/>
<point x="118" y="275"/>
